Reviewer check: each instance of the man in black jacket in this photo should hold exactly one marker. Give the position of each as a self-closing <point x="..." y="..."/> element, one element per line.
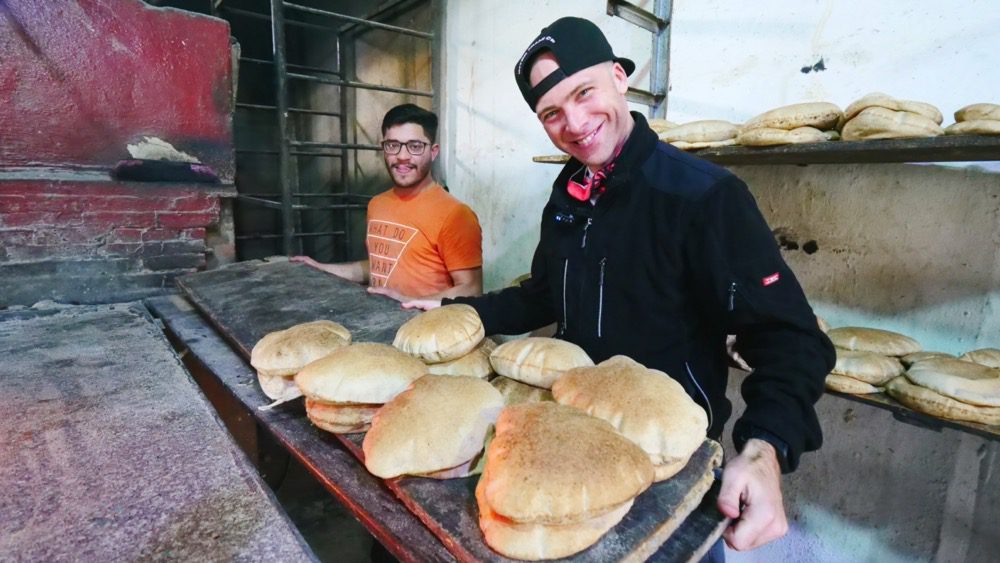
<point x="650" y="252"/>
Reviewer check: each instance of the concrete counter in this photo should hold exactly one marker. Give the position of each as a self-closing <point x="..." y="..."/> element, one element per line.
<point x="110" y="452"/>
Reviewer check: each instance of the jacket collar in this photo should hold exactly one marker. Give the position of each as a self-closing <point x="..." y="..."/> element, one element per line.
<point x="640" y="144"/>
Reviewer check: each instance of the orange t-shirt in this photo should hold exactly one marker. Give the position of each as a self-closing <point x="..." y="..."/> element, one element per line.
<point x="414" y="242"/>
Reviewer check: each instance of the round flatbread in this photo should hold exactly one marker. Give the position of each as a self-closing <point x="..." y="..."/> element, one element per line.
<point x="974" y="112"/>
<point x="975" y="127"/>
<point x="278" y="387"/>
<point x="815" y="115"/>
<point x="968" y="382"/>
<point x="846" y="384"/>
<point x="707" y="130"/>
<point x="515" y="392"/>
<point x="989" y="357"/>
<point x="475" y="364"/>
<point x="438" y="423"/>
<point x="646" y="406"/>
<point x="660" y="125"/>
<point x="935" y="404"/>
<point x="869" y="367"/>
<point x="885" y="101"/>
<point x="341" y="418"/>
<point x="537" y="360"/>
<point x="285" y="352"/>
<point x="767" y="136"/>
<point x="910" y="359"/>
<point x="441" y="334"/>
<point x="875" y="340"/>
<point x="881" y="123"/>
<point x="365" y="372"/>
<point x="554" y="464"/>
<point x="688" y="146"/>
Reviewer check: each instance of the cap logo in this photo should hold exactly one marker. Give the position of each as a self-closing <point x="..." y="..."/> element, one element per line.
<point x="543" y="39"/>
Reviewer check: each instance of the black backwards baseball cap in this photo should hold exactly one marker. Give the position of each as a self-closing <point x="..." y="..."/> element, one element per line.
<point x="576" y="44"/>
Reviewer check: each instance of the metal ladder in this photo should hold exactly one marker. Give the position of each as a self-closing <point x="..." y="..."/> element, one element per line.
<point x="656" y="22"/>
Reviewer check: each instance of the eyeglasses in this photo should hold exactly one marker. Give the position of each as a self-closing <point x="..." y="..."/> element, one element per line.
<point x="415" y="148"/>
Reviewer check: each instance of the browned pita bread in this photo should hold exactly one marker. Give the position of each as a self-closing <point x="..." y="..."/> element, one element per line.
<point x="875" y="340"/>
<point x="441" y="334"/>
<point x="926" y="401"/>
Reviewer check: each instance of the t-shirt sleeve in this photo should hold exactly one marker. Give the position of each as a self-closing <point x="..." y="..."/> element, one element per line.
<point x="461" y="240"/>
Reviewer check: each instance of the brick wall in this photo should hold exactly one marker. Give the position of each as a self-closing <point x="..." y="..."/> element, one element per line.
<point x="93" y="242"/>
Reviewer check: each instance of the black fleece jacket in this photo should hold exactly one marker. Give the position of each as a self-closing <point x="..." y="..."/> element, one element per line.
<point x="674" y="256"/>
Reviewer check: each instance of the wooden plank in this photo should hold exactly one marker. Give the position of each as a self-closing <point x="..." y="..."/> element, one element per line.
<point x="335" y="467"/>
<point x="945" y="148"/>
<point x="447" y="507"/>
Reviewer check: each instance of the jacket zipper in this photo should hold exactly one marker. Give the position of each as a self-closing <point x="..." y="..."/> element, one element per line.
<point x="708" y="403"/>
<point x="732" y="296"/>
<point x="583" y="243"/>
<point x="565" y="271"/>
<point x="600" y="300"/>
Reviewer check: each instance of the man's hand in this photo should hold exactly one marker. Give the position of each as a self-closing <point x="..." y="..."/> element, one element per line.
<point x="307" y="261"/>
<point x="752" y="480"/>
<point x="407" y="301"/>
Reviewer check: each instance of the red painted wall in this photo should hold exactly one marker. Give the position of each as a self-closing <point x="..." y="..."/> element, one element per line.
<point x="80" y="79"/>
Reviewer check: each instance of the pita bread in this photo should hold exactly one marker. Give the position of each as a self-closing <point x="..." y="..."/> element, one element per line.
<point x="442" y="334"/>
<point x="975" y="112"/>
<point x="438" y="423"/>
<point x="686" y="146"/>
<point x="646" y="406"/>
<point x="340" y="418"/>
<point x="815" y="115"/>
<point x="989" y="357"/>
<point x="554" y="464"/>
<point x="365" y="372"/>
<point x="876" y="340"/>
<point x="537" y="360"/>
<point x="660" y="125"/>
<point x="869" y="367"/>
<point x="515" y="392"/>
<point x="847" y="384"/>
<point x="285" y="352"/>
<point x="535" y="541"/>
<point x="278" y="387"/>
<point x="475" y="364"/>
<point x="976" y="127"/>
<point x="880" y="100"/>
<point x="963" y="381"/>
<point x="910" y="359"/>
<point x="767" y="136"/>
<point x="881" y="123"/>
<point x="706" y="130"/>
<point x="551" y="159"/>
<point x="935" y="404"/>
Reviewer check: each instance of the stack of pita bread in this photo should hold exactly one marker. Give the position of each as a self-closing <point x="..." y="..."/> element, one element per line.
<point x="976" y="119"/>
<point x="345" y="388"/>
<point x="810" y="122"/>
<point x="449" y="339"/>
<point x="989" y="357"/>
<point x="279" y="355"/>
<point x="646" y="406"/>
<point x="556" y="479"/>
<point x="701" y="134"/>
<point x="950" y="388"/>
<point x="867" y="358"/>
<point x="880" y="116"/>
<point x="435" y="428"/>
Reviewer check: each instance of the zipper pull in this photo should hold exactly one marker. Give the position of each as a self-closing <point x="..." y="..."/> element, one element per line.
<point x="732" y="296"/>
<point x="583" y="243"/>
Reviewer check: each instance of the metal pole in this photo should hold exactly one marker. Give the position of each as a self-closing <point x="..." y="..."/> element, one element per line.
<point x="659" y="73"/>
<point x="284" y="165"/>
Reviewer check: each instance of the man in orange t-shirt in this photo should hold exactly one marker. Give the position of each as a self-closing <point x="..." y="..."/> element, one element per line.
<point x="422" y="242"/>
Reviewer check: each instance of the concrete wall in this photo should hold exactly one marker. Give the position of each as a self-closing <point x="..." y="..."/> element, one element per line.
<point x="909" y="247"/>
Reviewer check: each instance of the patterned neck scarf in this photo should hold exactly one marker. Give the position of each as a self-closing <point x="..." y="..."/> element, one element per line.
<point x="593" y="183"/>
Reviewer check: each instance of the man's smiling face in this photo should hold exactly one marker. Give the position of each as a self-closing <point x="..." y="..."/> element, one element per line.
<point x="586" y="114"/>
<point x="408" y="170"/>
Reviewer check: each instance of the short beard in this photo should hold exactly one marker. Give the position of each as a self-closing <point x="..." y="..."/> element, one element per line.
<point x="422" y="173"/>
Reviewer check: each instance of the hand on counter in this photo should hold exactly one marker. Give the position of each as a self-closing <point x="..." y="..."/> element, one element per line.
<point x="752" y="480"/>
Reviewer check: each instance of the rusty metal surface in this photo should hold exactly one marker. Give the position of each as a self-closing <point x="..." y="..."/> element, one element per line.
<point x="250" y="299"/>
<point x="111" y="453"/>
<point x="322" y="454"/>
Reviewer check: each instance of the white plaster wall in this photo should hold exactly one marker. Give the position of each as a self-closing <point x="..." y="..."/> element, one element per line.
<point x="914" y="248"/>
<point x="491" y="134"/>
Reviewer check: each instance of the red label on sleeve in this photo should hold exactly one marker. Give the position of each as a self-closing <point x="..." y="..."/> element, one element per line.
<point x="770" y="279"/>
